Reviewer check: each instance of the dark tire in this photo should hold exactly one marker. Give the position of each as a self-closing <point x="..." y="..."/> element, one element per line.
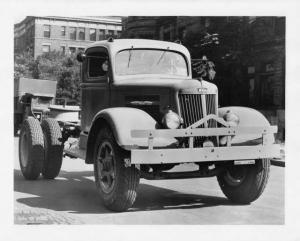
<point x="116" y="183"/>
<point x="17" y="123"/>
<point x="245" y="183"/>
<point x="53" y="148"/>
<point x="31" y="148"/>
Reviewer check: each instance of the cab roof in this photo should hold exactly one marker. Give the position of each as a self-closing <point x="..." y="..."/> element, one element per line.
<point x="120" y="44"/>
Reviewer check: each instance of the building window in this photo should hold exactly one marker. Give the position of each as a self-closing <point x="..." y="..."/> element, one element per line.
<point x="73" y="33"/>
<point x="280" y="26"/>
<point x="110" y="33"/>
<point x="167" y="35"/>
<point x="63" y="49"/>
<point x="207" y="22"/>
<point x="46" y="48"/>
<point x="72" y="50"/>
<point x="101" y="34"/>
<point x="252" y="19"/>
<point x="81" y="34"/>
<point x="63" y="31"/>
<point x="119" y="34"/>
<point x="93" y="34"/>
<point x="47" y="31"/>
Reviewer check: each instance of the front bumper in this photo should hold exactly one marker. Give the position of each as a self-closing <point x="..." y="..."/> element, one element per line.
<point x="153" y="155"/>
<point x="185" y="155"/>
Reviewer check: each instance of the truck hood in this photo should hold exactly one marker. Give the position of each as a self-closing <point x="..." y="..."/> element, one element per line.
<point x="171" y="83"/>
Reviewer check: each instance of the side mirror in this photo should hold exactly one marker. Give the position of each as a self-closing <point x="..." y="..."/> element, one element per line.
<point x="81" y="57"/>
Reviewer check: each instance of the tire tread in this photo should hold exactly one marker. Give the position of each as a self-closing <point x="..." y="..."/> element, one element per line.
<point x="125" y="193"/>
<point x="251" y="188"/>
<point x="36" y="148"/>
<point x="52" y="134"/>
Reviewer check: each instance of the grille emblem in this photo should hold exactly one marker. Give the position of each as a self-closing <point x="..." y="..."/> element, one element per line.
<point x="202" y="90"/>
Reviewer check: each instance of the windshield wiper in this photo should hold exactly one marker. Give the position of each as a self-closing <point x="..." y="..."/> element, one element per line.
<point x="129" y="58"/>
<point x="162" y="55"/>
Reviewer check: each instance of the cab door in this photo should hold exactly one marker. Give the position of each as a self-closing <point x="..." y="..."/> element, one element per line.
<point x="95" y="86"/>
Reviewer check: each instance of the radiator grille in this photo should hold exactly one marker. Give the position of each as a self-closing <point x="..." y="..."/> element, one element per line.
<point x="191" y="107"/>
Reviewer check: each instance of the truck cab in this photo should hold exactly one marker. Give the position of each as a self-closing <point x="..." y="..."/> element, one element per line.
<point x="140" y="74"/>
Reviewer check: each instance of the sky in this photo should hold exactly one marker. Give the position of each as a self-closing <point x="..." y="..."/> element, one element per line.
<point x="19" y="18"/>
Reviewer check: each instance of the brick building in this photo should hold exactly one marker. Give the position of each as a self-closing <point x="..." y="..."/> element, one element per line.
<point x="65" y="34"/>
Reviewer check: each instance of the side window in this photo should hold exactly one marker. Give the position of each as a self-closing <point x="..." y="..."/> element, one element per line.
<point x="97" y="63"/>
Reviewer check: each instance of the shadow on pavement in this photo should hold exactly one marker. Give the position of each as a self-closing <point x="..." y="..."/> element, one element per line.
<point x="75" y="192"/>
<point x="154" y="198"/>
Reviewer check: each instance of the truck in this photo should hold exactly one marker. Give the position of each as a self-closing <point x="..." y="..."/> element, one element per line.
<point x="37" y="98"/>
<point x="142" y="115"/>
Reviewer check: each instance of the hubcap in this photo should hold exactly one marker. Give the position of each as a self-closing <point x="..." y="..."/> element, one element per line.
<point x="235" y="175"/>
<point x="24" y="149"/>
<point x="106" y="167"/>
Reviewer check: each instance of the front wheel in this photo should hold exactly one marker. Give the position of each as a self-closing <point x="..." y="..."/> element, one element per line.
<point x="245" y="183"/>
<point x="116" y="183"/>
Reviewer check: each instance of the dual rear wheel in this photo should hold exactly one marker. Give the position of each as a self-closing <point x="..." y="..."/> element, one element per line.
<point x="40" y="148"/>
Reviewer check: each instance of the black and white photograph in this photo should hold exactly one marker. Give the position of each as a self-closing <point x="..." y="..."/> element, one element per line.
<point x="151" y="120"/>
<point x="172" y="118"/>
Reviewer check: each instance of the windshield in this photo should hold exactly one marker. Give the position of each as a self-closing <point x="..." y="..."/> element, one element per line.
<point x="150" y="61"/>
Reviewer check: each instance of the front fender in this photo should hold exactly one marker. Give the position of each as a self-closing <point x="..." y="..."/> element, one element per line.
<point x="122" y="120"/>
<point x="248" y="117"/>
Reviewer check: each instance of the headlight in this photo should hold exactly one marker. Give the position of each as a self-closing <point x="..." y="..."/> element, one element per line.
<point x="171" y="120"/>
<point x="231" y="119"/>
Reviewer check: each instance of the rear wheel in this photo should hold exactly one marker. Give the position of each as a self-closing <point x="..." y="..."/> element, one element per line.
<point x="245" y="183"/>
<point x="53" y="148"/>
<point x="17" y="123"/>
<point x="31" y="148"/>
<point x="116" y="183"/>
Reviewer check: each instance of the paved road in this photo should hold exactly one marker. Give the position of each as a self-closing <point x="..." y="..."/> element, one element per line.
<point x="72" y="199"/>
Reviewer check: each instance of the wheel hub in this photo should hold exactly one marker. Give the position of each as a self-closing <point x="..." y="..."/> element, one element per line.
<point x="106" y="167"/>
<point x="235" y="175"/>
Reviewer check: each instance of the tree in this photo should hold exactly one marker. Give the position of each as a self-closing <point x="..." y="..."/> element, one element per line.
<point x="229" y="52"/>
<point x="23" y="65"/>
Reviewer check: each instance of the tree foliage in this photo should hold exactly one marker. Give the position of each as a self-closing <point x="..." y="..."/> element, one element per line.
<point x="51" y="66"/>
<point x="23" y="65"/>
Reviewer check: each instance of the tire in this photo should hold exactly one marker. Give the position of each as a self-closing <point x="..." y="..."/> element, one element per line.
<point x="31" y="148"/>
<point x="17" y="123"/>
<point x="245" y="183"/>
<point x="115" y="183"/>
<point x="53" y="148"/>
